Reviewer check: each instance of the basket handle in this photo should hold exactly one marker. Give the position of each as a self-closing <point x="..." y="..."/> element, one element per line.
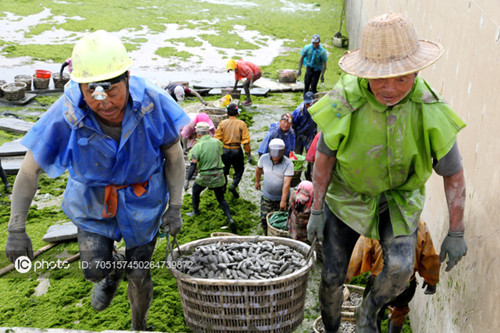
<point x="311" y="249"/>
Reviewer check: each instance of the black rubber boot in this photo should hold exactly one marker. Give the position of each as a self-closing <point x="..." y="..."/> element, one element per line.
<point x="366" y="316"/>
<point x="394" y="329"/>
<point x="232" y="189"/>
<point x="230" y="220"/>
<point x="104" y="291"/>
<point x="264" y="228"/>
<point x="232" y="225"/>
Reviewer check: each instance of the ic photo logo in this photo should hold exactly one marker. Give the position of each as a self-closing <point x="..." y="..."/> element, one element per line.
<point x="22" y="264"/>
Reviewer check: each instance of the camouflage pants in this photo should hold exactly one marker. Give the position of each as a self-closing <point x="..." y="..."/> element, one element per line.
<point x="267" y="206"/>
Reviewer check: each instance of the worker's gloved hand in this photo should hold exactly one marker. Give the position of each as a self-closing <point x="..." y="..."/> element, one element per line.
<point x="205" y="103"/>
<point x="429" y="290"/>
<point x="186" y="185"/>
<point x="18" y="244"/>
<point x="250" y="159"/>
<point x="316" y="225"/>
<point x="299" y="72"/>
<point x="171" y="220"/>
<point x="322" y="79"/>
<point x="455" y="247"/>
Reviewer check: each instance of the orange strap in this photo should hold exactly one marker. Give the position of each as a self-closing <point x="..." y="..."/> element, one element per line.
<point x="111" y="197"/>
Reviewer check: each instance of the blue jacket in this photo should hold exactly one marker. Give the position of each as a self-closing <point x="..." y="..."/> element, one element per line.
<point x="68" y="137"/>
<point x="302" y="122"/>
<point x="275" y="132"/>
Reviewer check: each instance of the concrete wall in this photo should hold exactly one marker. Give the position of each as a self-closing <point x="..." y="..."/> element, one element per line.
<point x="468" y="77"/>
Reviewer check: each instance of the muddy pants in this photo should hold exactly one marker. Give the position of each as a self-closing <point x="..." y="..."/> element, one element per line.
<point x="311" y="79"/>
<point x="398" y="254"/>
<point x="233" y="157"/>
<point x="246" y="85"/>
<point x="398" y="307"/>
<point x="96" y="255"/>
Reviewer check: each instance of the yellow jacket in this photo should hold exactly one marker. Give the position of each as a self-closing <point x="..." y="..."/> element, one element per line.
<point x="233" y="133"/>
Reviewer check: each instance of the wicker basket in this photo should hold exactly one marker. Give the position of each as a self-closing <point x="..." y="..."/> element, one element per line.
<point x="272" y="231"/>
<point x="347" y="313"/>
<point x="271" y="305"/>
<point x="216" y="115"/>
<point x="58" y="82"/>
<point x="25" y="79"/>
<point x="39" y="83"/>
<point x="222" y="234"/>
<point x="2" y="82"/>
<point x="14" y="91"/>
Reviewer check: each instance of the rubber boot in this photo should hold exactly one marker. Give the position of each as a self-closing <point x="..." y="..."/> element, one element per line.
<point x="232" y="189"/>
<point x="264" y="228"/>
<point x="366" y="316"/>
<point x="104" y="291"/>
<point x="230" y="220"/>
<point x="393" y="328"/>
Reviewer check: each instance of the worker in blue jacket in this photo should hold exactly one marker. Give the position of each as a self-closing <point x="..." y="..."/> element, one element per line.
<point x="118" y="136"/>
<point x="304" y="127"/>
<point x="282" y="130"/>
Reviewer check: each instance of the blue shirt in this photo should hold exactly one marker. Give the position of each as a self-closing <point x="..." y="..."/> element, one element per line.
<point x="68" y="137"/>
<point x="275" y="132"/>
<point x="314" y="57"/>
<point x="302" y="122"/>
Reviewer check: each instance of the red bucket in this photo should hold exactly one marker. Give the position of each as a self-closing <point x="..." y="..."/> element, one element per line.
<point x="43" y="74"/>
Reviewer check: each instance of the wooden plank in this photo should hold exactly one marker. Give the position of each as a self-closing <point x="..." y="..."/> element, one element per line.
<point x="253" y="91"/>
<point x="13" y="148"/>
<point x="45" y="91"/>
<point x="12" y="164"/>
<point x="15" y="125"/>
<point x="27" y="98"/>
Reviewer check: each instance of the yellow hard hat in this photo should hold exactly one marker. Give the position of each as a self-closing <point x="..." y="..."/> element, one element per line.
<point x="231" y="64"/>
<point x="99" y="56"/>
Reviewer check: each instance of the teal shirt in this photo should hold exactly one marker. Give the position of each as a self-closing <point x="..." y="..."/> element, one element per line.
<point x="314" y="57"/>
<point x="383" y="150"/>
<point x="208" y="151"/>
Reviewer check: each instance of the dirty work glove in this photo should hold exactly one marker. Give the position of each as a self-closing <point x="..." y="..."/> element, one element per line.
<point x="316" y="225"/>
<point x="430" y="290"/>
<point x="171" y="220"/>
<point x="299" y="72"/>
<point x="250" y="159"/>
<point x="186" y="185"/>
<point x="18" y="244"/>
<point x="455" y="247"/>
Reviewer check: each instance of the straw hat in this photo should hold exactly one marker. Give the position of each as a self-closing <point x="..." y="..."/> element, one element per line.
<point x="389" y="48"/>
